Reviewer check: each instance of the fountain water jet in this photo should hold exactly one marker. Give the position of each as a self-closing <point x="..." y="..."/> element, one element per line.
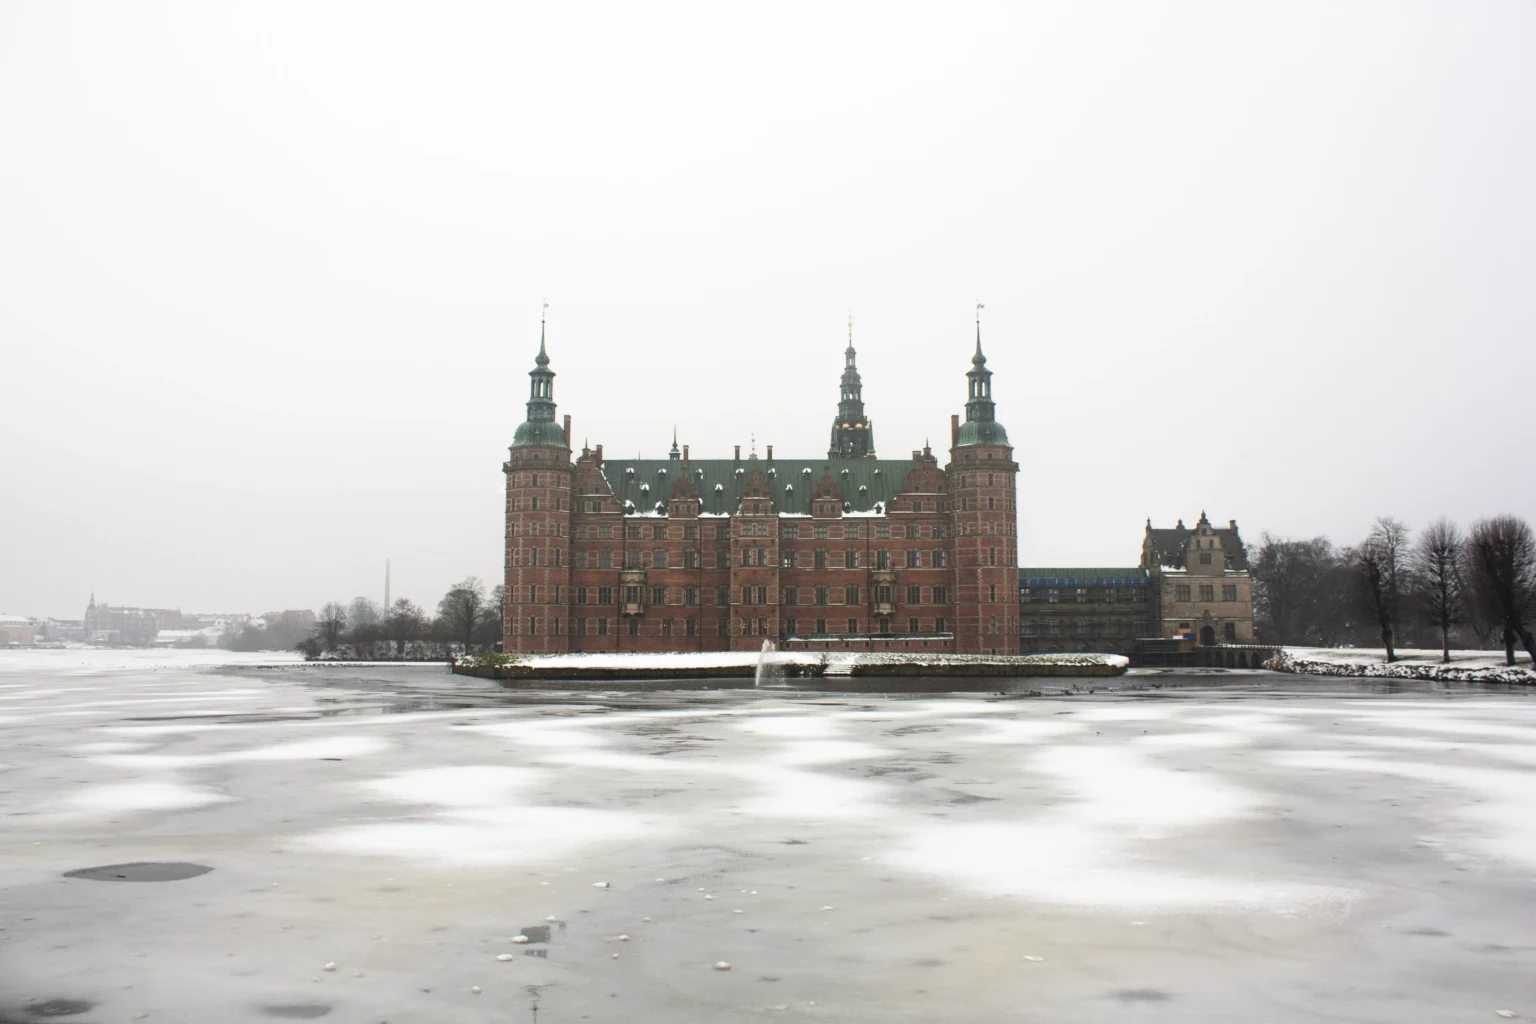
<point x="770" y="671"/>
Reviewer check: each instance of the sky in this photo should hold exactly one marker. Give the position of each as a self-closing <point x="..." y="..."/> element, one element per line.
<point x="271" y="273"/>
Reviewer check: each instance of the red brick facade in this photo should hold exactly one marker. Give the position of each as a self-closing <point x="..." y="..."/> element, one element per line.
<point x="722" y="554"/>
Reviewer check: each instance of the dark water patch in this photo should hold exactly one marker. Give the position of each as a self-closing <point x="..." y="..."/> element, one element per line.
<point x="537" y="933"/>
<point x="958" y="797"/>
<point x="141" y="871"/>
<point x="296" y="1011"/>
<point x="1433" y="933"/>
<point x="795" y="842"/>
<point x="930" y="962"/>
<point x="1142" y="995"/>
<point x="44" y="1009"/>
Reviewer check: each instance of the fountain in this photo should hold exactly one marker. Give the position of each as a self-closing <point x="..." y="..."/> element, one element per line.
<point x="770" y="671"/>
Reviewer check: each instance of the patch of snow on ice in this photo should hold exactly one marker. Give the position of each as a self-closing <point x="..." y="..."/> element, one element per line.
<point x="143" y="796"/>
<point x="457" y="786"/>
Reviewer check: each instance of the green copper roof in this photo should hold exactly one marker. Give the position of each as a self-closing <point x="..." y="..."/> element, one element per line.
<point x="542" y="432"/>
<point x="862" y="482"/>
<point x="982" y="432"/>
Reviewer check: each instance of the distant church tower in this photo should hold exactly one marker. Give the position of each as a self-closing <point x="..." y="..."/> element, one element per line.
<point x="853" y="436"/>
<point x="983" y="502"/>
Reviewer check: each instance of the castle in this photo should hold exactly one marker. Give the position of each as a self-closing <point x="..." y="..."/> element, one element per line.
<point x="847" y="551"/>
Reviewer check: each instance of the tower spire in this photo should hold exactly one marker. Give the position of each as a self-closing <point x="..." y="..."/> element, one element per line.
<point x="852" y="433"/>
<point x="981" y="426"/>
<point x="540" y="428"/>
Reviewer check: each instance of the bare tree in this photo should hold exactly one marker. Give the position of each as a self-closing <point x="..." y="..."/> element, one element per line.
<point x="330" y="624"/>
<point x="1382" y="563"/>
<point x="461" y="609"/>
<point x="1439" y="563"/>
<point x="1503" y="568"/>
<point x="405" y="623"/>
<point x="364" y="612"/>
<point x="1297" y="597"/>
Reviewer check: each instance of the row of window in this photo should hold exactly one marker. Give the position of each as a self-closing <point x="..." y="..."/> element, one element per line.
<point x="758" y="626"/>
<point x="852" y="558"/>
<point x="1085" y="627"/>
<point x="532" y="480"/>
<point x="1181" y="592"/>
<point x="1083" y="595"/>
<point x="634" y="595"/>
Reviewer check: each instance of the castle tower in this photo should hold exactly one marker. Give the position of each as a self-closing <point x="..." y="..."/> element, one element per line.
<point x="853" y="436"/>
<point x="984" y="510"/>
<point x="538" y="538"/>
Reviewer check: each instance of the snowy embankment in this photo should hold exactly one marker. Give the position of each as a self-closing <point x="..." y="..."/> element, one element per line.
<point x="706" y="664"/>
<point x="1464" y="667"/>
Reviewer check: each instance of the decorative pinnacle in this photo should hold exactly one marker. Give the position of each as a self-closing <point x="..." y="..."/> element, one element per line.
<point x="978" y="359"/>
<point x="543" y="357"/>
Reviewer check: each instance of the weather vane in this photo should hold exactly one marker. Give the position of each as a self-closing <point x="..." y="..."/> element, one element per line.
<point x="979" y="308"/>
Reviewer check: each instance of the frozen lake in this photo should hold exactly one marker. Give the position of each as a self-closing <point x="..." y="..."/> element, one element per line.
<point x="1247" y="847"/>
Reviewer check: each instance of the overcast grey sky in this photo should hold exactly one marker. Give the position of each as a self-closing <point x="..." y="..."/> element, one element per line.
<point x="270" y="273"/>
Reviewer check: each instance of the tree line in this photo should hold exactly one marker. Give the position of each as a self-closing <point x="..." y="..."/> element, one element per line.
<point x="1396" y="589"/>
<point x="467" y="615"/>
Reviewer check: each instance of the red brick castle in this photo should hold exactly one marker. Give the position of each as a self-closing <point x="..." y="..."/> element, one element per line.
<point x="847" y="551"/>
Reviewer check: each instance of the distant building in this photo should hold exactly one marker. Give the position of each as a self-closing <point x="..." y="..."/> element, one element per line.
<point x="1102" y="610"/>
<point x="132" y="627"/>
<point x="17" y="631"/>
<point x="1201" y="577"/>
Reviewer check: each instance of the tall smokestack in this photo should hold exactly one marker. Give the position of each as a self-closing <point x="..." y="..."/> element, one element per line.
<point x="386" y="586"/>
<point x="738" y="453"/>
<point x="567" y="430"/>
<point x="954" y="430"/>
<point x="685" y="453"/>
<point x="770" y="453"/>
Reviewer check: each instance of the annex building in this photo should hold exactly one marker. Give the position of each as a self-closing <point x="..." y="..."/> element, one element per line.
<point x="842" y="550"/>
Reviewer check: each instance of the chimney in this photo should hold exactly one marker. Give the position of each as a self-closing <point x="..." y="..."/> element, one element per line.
<point x="685" y="453"/>
<point x="738" y="453"/>
<point x="567" y="430"/>
<point x="599" y="455"/>
<point x="916" y="455"/>
<point x="770" y="453"/>
<point x="954" y="430"/>
<point x="1232" y="523"/>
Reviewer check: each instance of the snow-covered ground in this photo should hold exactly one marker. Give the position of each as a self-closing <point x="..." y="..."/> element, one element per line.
<point x="1464" y="666"/>
<point x="837" y="662"/>
<point x="1183" y="854"/>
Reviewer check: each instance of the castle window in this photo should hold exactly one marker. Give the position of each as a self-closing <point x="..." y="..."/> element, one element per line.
<point x="853" y="625"/>
<point x="581" y="595"/>
<point x="762" y="595"/>
<point x="1181" y="592"/>
<point x="666" y="627"/>
<point x="1229" y="591"/>
<point x="535" y="504"/>
<point x="605" y="559"/>
<point x="940" y="558"/>
<point x="602" y="627"/>
<point x="882" y="559"/>
<point x="658" y="595"/>
<point x="851" y="558"/>
<point x="938" y="624"/>
<point x="991" y="503"/>
<point x="882" y="530"/>
<point x="851" y="595"/>
<point x="991" y="556"/>
<point x="914" y="594"/>
<point x="941" y="595"/>
<point x="821" y="625"/>
<point x="605" y="595"/>
<point x="1229" y="632"/>
<point x="1205" y="558"/>
<point x="791" y="595"/>
<point x="992" y="625"/>
<point x="633" y="624"/>
<point x="690" y="596"/>
<point x="989" y="476"/>
<point x="633" y="558"/>
<point x="688" y="627"/>
<point x="821" y="558"/>
<point x="1207" y="592"/>
<point x="819" y="531"/>
<point x="722" y="627"/>
<point x="605" y="531"/>
<point x="746" y="595"/>
<point x="914" y="558"/>
<point x="631" y="595"/>
<point x="631" y="531"/>
<point x="690" y="558"/>
<point x="659" y="558"/>
<point x="532" y="623"/>
<point x="691" y="531"/>
<point x="821" y="598"/>
<point x="786" y="627"/>
<point x="722" y="531"/>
